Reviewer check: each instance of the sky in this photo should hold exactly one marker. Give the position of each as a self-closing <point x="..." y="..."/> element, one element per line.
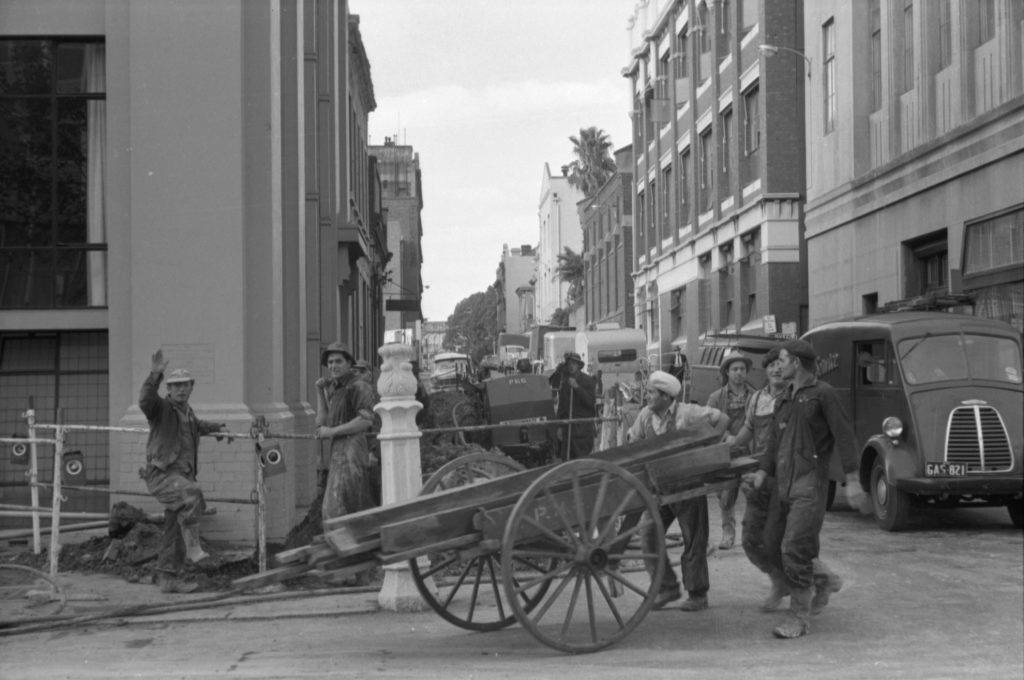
<point x="487" y="92"/>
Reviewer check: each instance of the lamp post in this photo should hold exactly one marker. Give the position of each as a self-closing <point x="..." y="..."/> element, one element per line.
<point x="772" y="50"/>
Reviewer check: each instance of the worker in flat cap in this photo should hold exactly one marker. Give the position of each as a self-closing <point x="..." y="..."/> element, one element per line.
<point x="577" y="400"/>
<point x="344" y="414"/>
<point x="809" y="423"/>
<point x="731" y="398"/>
<point x="170" y="474"/>
<point x="664" y="413"/>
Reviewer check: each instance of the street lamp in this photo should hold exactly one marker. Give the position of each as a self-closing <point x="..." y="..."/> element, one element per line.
<point x="772" y="50"/>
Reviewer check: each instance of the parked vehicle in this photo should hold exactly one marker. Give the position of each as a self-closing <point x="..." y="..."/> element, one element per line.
<point x="936" y="400"/>
<point x="612" y="355"/>
<point x="705" y="376"/>
<point x="537" y="335"/>
<point x="511" y="348"/>
<point x="451" y="369"/>
<point x="556" y="344"/>
<point x="521" y="402"/>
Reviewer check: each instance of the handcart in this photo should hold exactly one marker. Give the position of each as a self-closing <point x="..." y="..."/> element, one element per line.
<point x="489" y="543"/>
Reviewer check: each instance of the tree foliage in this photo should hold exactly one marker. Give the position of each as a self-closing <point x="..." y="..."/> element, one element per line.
<point x="473" y="326"/>
<point x="594" y="163"/>
<point x="570" y="270"/>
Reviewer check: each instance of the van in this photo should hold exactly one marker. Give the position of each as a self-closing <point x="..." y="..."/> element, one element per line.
<point x="613" y="355"/>
<point x="556" y="344"/>
<point x="451" y="369"/>
<point x="705" y="376"/>
<point x="936" y="400"/>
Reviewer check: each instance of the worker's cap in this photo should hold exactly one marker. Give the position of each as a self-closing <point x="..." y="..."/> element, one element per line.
<point x="665" y="382"/>
<point x="772" y="355"/>
<point x="573" y="356"/>
<point x="179" y="375"/>
<point x="731" y="358"/>
<point x="801" y="349"/>
<point x="363" y="365"/>
<point x="336" y="348"/>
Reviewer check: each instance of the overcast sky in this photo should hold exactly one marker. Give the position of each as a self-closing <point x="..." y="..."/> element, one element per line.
<point x="487" y="92"/>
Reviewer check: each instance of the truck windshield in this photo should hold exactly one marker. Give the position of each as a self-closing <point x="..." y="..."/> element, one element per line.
<point x="938" y="358"/>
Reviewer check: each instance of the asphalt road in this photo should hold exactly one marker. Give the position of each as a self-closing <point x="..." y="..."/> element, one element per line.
<point x="944" y="600"/>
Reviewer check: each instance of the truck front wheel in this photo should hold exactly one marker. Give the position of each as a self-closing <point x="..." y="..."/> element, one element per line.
<point x="1016" y="509"/>
<point x="891" y="506"/>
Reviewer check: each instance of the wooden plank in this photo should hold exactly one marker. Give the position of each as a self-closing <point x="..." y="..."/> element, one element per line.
<point x="269" y="577"/>
<point x="344" y="572"/>
<point x="424" y="549"/>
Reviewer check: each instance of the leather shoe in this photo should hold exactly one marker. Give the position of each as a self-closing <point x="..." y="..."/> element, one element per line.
<point x="666" y="596"/>
<point x="694" y="603"/>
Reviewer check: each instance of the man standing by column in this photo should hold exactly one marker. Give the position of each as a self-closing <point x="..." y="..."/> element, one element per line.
<point x="809" y="422"/>
<point x="731" y="399"/>
<point x="170" y="472"/>
<point x="344" y="413"/>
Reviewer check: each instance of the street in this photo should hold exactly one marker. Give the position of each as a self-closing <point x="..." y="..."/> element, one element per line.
<point x="941" y="601"/>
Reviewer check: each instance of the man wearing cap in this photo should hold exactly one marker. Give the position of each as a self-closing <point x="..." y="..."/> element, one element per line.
<point x="664" y="414"/>
<point x="732" y="399"/>
<point x="170" y="472"/>
<point x="344" y="413"/>
<point x="809" y="422"/>
<point x="577" y="398"/>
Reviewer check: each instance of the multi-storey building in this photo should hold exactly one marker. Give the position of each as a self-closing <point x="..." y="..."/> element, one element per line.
<point x="191" y="177"/>
<point x="718" y="212"/>
<point x="607" y="219"/>
<point x="915" y="154"/>
<point x="559" y="229"/>
<point x="512" y="282"/>
<point x="402" y="199"/>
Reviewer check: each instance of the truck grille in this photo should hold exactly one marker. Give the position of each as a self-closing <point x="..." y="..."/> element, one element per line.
<point x="976" y="436"/>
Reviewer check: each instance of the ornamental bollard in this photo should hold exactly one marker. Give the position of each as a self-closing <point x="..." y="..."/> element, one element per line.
<point x="401" y="476"/>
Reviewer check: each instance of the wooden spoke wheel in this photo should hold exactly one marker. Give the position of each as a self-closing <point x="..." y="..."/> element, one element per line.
<point x="582" y="515"/>
<point x="464" y="586"/>
<point x="28" y="595"/>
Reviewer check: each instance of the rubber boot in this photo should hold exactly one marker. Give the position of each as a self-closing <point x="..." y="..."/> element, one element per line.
<point x="193" y="549"/>
<point x="798" y="619"/>
<point x="826" y="582"/>
<point x="780" y="589"/>
<point x="171" y="584"/>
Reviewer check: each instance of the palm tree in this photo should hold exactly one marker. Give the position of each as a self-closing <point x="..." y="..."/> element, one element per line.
<point x="570" y="270"/>
<point x="594" y="164"/>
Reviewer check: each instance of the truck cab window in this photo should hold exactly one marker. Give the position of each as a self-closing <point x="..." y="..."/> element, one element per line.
<point x="873" y="363"/>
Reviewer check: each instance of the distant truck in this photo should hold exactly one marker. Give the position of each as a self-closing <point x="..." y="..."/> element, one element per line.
<point x="936" y="402"/>
<point x="613" y="355"/>
<point x="556" y="344"/>
<point x="537" y="335"/>
<point x="511" y="348"/>
<point x="705" y="368"/>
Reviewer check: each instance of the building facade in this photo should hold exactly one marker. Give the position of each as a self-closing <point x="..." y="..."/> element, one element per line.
<point x="607" y="220"/>
<point x="559" y="224"/>
<point x="718" y="211"/>
<point x="402" y="199"/>
<point x="916" y="154"/>
<point x="511" y="284"/>
<point x="193" y="178"/>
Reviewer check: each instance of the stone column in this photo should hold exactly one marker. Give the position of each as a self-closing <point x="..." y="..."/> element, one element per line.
<point x="400" y="461"/>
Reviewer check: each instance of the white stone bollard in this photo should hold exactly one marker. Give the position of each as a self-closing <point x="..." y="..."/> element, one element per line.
<point x="401" y="476"/>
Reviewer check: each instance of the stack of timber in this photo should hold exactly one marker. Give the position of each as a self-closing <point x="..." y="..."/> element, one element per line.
<point x="676" y="465"/>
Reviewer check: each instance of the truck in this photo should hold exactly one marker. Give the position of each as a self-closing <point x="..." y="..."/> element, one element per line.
<point x="511" y="348"/>
<point x="537" y="335"/>
<point x="613" y="356"/>
<point x="936" y="400"/>
<point x="705" y="376"/>
<point x="556" y="344"/>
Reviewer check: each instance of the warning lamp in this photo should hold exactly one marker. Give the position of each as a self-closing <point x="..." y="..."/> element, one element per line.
<point x="74" y="466"/>
<point x="271" y="457"/>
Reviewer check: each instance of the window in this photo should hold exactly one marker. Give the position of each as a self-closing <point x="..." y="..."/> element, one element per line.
<point x="748" y="16"/>
<point x="876" y="55"/>
<point x="986" y="20"/>
<point x="726" y="151"/>
<point x="679" y="311"/>
<point x="652" y="224"/>
<point x="750" y="162"/>
<point x="874" y="363"/>
<point x="704" y="62"/>
<point x="828" y="42"/>
<point x="706" y="171"/>
<point x="52" y="145"/>
<point x="929" y="264"/>
<point x="908" y="45"/>
<point x="994" y="243"/>
<point x="724" y="22"/>
<point x="684" y="187"/>
<point x="945" y="35"/>
<point x="682" y="68"/>
<point x="666" y="202"/>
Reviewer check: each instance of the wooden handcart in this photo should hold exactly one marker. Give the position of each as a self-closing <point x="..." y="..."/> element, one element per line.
<point x="489" y="543"/>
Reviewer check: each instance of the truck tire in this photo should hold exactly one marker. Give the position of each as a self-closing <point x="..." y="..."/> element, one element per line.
<point x="1016" y="509"/>
<point x="891" y="506"/>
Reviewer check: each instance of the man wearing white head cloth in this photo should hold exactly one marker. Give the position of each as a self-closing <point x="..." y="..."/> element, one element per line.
<point x="664" y="414"/>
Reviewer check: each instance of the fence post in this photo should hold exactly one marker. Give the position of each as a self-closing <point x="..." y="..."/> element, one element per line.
<point x="33" y="475"/>
<point x="58" y="473"/>
<point x="401" y="471"/>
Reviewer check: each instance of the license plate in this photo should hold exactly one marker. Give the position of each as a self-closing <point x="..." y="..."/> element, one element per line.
<point x="945" y="470"/>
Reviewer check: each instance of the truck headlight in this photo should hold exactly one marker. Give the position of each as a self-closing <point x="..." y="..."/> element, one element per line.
<point x="892" y="427"/>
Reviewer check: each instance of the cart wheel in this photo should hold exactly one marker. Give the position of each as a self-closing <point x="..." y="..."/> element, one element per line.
<point x="583" y="514"/>
<point x="464" y="587"/>
<point x="28" y="595"/>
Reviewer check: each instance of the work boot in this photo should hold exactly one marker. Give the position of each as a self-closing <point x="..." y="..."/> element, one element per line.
<point x="665" y="596"/>
<point x="825" y="583"/>
<point x="193" y="549"/>
<point x="798" y="619"/>
<point x="728" y="538"/>
<point x="780" y="589"/>
<point x="171" y="584"/>
<point x="694" y="603"/>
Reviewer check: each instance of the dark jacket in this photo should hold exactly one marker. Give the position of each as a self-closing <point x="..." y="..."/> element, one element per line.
<point x="167" y="445"/>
